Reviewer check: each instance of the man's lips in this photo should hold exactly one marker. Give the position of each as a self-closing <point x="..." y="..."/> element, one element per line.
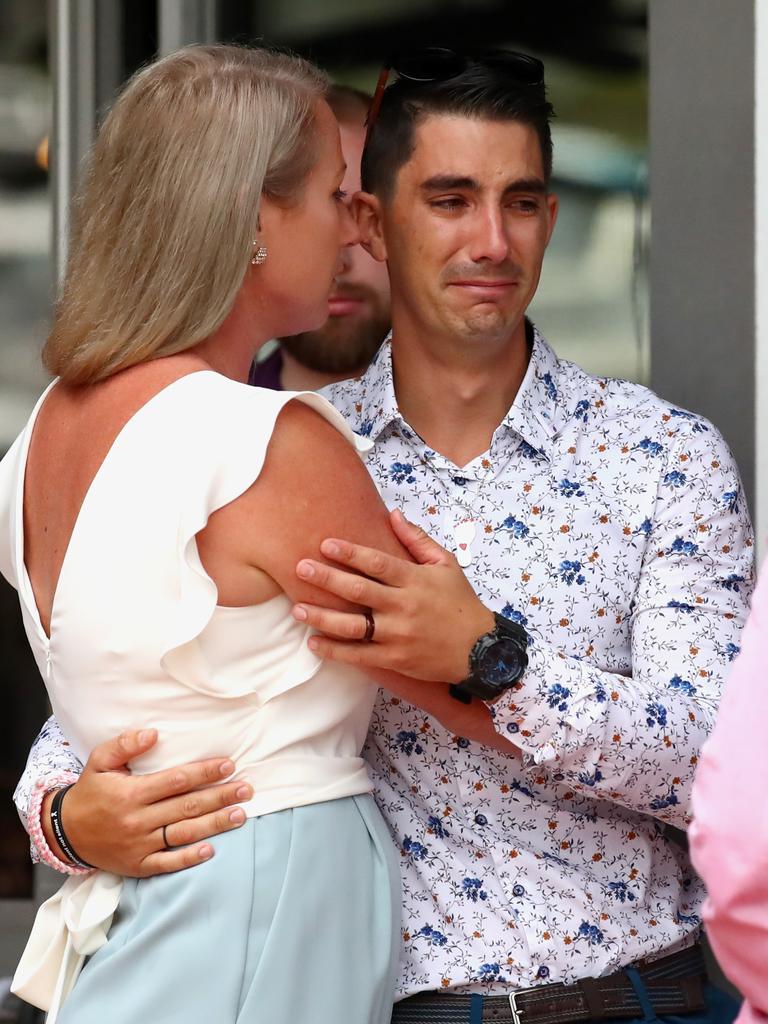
<point x="344" y="305"/>
<point x="498" y="285"/>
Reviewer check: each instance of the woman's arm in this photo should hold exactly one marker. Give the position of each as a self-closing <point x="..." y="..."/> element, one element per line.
<point x="313" y="485"/>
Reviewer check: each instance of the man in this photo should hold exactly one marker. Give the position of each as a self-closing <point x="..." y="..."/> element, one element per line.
<point x="607" y="531"/>
<point x="358" y="309"/>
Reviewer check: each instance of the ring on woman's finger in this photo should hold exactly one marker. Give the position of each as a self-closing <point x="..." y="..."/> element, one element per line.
<point x="166" y="844"/>
<point x="370" y="626"/>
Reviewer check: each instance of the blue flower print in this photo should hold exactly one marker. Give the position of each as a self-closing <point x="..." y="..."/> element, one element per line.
<point x="662" y="802"/>
<point x="650" y="447"/>
<point x="434" y="937"/>
<point x="515" y="527"/>
<point x="460" y="481"/>
<point x="407" y="742"/>
<point x="681" y="606"/>
<point x="570" y="488"/>
<point x="550" y="384"/>
<point x="402" y="473"/>
<point x="683" y="547"/>
<point x="528" y="451"/>
<point x="675" y="478"/>
<point x="621" y="891"/>
<point x="731" y="651"/>
<point x="490" y="972"/>
<point x="436" y="827"/>
<point x="732" y="583"/>
<point x="731" y="500"/>
<point x="557" y="697"/>
<point x="591" y="932"/>
<point x="365" y="428"/>
<point x="473" y="889"/>
<point x="683" y="685"/>
<point x="414" y="849"/>
<point x="698" y="426"/>
<point x="693" y="919"/>
<point x="645" y="527"/>
<point x="590" y="780"/>
<point x="656" y="712"/>
<point x="514" y="615"/>
<point x="570" y="572"/>
<point x="581" y="410"/>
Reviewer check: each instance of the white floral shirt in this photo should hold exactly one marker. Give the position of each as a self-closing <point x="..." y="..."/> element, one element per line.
<point x="612" y="525"/>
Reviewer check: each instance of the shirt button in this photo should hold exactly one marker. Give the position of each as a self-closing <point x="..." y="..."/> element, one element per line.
<point x="543" y="972"/>
<point x="518" y="890"/>
<point x="480" y="819"/>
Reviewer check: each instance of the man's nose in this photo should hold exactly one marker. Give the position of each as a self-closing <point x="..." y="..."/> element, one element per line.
<point x="489" y="238"/>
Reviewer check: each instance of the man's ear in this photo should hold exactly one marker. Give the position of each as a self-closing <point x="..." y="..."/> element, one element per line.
<point x="366" y="209"/>
<point x="553" y="206"/>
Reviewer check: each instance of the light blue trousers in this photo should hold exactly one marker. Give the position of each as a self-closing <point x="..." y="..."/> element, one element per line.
<point x="295" y="920"/>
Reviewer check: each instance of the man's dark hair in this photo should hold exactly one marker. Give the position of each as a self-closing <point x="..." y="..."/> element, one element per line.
<point x="480" y="91"/>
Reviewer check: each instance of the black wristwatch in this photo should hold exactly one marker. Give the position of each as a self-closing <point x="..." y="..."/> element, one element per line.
<point x="496" y="662"/>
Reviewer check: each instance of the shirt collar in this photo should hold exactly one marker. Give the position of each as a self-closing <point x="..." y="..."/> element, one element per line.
<point x="378" y="407"/>
<point x="539" y="411"/>
<point x="540" y="408"/>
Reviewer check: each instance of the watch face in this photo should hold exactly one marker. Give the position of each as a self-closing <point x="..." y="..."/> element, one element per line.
<point x="501" y="663"/>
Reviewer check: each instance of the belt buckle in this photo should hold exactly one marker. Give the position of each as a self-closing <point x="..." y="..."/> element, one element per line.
<point x="514" y="1007"/>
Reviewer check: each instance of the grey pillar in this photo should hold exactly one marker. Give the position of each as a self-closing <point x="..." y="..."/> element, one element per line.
<point x="181" y="22"/>
<point x="85" y="41"/>
<point x="702" y="132"/>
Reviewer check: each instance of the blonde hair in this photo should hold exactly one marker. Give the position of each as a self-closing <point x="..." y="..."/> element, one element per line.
<point x="165" y="221"/>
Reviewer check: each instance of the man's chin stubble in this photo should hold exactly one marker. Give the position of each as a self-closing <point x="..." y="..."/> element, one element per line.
<point x="344" y="345"/>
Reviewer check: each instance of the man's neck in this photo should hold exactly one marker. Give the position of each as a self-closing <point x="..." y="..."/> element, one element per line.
<point x="455" y="398"/>
<point x="296" y="377"/>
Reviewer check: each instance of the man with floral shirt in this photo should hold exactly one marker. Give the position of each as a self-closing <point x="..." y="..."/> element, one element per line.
<point x="607" y="524"/>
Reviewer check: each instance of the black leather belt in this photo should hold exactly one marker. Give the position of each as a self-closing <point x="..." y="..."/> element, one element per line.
<point x="674" y="984"/>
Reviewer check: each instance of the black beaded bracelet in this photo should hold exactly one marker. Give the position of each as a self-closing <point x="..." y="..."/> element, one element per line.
<point x="58" y="829"/>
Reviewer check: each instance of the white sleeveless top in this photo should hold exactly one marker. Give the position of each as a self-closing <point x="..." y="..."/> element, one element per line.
<point x="137" y="639"/>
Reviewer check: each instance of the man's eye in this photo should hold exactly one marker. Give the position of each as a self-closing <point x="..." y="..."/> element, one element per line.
<point x="447" y="204"/>
<point x="340" y="195"/>
<point x="526" y="205"/>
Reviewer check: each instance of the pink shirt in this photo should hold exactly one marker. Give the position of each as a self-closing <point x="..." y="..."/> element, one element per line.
<point x="729" y="835"/>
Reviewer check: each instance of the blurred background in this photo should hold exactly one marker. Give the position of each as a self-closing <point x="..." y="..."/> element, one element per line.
<point x="685" y="68"/>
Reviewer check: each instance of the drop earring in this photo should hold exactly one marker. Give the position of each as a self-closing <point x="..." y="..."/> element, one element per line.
<point x="259" y="254"/>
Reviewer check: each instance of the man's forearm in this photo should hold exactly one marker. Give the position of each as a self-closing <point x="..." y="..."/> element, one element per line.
<point x="51" y="764"/>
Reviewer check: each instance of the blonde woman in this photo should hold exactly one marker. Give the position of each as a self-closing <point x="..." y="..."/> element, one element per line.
<point x="151" y="517"/>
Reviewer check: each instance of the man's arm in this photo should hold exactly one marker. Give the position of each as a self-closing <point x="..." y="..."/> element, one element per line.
<point x="51" y="763"/>
<point x="114" y="820"/>
<point x="633" y="737"/>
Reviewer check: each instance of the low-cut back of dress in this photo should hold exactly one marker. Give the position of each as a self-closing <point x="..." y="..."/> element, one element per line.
<point x="137" y="637"/>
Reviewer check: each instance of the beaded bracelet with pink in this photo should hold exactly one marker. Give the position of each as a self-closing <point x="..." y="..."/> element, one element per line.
<point x="35" y="828"/>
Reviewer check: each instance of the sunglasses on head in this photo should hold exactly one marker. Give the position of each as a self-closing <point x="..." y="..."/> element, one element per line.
<point x="436" y="64"/>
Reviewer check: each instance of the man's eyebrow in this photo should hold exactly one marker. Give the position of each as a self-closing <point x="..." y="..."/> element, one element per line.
<point x="448" y="183"/>
<point x="455" y="182"/>
<point x="526" y="185"/>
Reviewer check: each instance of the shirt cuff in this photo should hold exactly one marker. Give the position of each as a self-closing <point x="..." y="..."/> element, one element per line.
<point x="554" y="697"/>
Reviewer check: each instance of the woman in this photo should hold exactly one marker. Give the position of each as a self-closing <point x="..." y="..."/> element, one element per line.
<point x="151" y="516"/>
<point x="729" y="840"/>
